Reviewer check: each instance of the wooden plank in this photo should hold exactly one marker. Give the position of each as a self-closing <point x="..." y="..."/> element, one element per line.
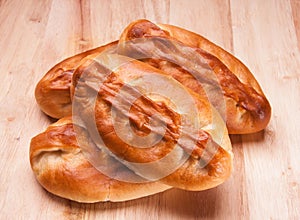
<point x="265" y="38"/>
<point x="265" y="183"/>
<point x="295" y="5"/>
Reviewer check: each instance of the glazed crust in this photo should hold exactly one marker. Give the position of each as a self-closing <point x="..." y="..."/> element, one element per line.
<point x="247" y="109"/>
<point x="189" y="176"/>
<point x="62" y="169"/>
<point x="240" y="119"/>
<point x="52" y="92"/>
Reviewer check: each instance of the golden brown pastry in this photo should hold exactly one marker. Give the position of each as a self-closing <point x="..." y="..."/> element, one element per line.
<point x="62" y="169"/>
<point x="166" y="141"/>
<point x="247" y="109"/>
<point x="207" y="143"/>
<point x="52" y="93"/>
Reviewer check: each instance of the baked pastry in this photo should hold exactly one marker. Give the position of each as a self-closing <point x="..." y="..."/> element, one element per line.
<point x="52" y="92"/>
<point x="246" y="108"/>
<point x="189" y="138"/>
<point x="62" y="169"/>
<point x="129" y="140"/>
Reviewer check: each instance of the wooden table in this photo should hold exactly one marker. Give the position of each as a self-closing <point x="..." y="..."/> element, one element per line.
<point x="265" y="35"/>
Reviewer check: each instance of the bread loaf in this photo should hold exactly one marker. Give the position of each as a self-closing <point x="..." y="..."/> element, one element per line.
<point x="246" y="108"/>
<point x="62" y="169"/>
<point x="210" y="134"/>
<point x="135" y="130"/>
<point x="52" y="92"/>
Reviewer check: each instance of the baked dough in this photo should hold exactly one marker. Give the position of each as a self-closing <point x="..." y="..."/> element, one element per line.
<point x="62" y="169"/>
<point x="52" y="92"/>
<point x="246" y="108"/>
<point x="209" y="136"/>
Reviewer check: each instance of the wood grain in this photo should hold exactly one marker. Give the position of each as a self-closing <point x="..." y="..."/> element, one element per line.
<point x="265" y="35"/>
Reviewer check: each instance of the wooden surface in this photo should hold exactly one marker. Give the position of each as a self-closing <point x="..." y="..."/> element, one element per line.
<point x="265" y="35"/>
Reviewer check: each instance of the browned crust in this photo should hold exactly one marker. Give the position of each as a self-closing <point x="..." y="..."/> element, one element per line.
<point x="52" y="92"/>
<point x="191" y="175"/>
<point x="59" y="164"/>
<point x="248" y="123"/>
<point x="247" y="109"/>
<point x="61" y="168"/>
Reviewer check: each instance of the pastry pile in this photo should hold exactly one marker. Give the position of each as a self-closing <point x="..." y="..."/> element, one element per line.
<point x="144" y="114"/>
